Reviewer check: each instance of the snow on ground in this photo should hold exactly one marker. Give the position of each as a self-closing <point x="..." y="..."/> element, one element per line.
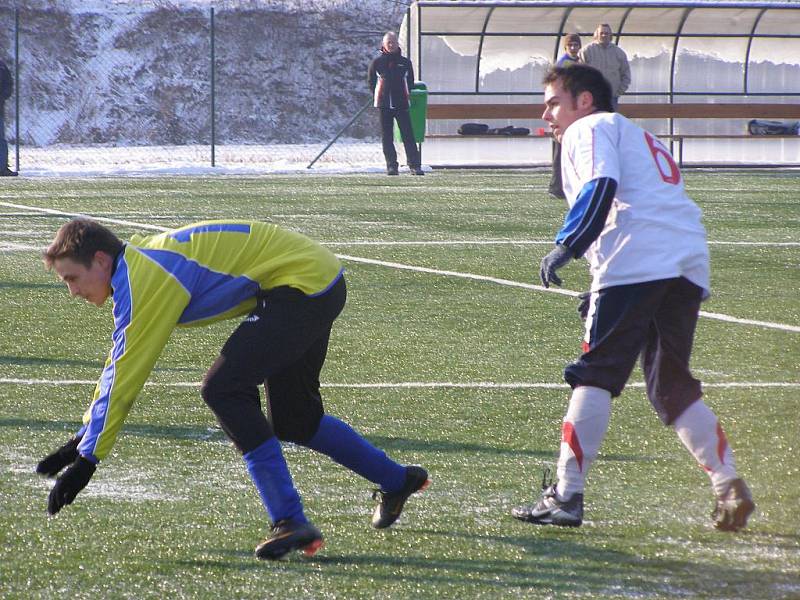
<point x="62" y="161"/>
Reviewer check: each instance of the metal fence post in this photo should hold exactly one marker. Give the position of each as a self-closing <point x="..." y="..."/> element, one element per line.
<point x="16" y="87"/>
<point x="213" y="95"/>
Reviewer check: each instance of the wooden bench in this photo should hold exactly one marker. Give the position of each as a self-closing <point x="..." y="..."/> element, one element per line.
<point x="694" y="110"/>
<point x="691" y="110"/>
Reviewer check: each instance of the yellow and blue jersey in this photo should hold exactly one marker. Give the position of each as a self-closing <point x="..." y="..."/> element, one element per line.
<point x="194" y="275"/>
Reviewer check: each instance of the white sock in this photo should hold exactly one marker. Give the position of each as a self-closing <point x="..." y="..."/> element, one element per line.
<point x="582" y="432"/>
<point x="701" y="433"/>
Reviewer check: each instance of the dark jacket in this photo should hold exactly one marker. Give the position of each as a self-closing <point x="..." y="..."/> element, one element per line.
<point x="6" y="82"/>
<point x="390" y="77"/>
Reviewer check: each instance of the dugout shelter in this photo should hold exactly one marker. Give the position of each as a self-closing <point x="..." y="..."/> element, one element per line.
<point x="701" y="70"/>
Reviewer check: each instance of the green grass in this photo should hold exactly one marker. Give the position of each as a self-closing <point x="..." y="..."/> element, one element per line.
<point x="171" y="514"/>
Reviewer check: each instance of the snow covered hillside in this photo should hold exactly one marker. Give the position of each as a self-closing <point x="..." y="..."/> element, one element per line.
<point x="139" y="73"/>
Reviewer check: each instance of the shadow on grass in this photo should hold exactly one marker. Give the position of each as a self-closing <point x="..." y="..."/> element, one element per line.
<point x="214" y="434"/>
<point x="210" y="433"/>
<point x="21" y="361"/>
<point x="553" y="562"/>
<point x="409" y="444"/>
<point x="24" y="285"/>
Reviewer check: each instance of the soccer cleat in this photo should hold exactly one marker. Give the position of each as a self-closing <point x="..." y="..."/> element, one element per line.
<point x="552" y="510"/>
<point x="392" y="170"/>
<point x="733" y="507"/>
<point x="417" y="171"/>
<point x="287" y="536"/>
<point x="8" y="173"/>
<point x="391" y="504"/>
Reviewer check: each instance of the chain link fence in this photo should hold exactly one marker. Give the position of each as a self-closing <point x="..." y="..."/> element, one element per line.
<point x="249" y="87"/>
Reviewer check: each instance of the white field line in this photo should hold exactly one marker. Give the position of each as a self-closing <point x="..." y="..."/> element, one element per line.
<point x="508" y="282"/>
<point x="530" y="286"/>
<point x="410" y="384"/>
<point x="50" y="211"/>
<point x="12" y="247"/>
<point x="519" y="243"/>
<point x="472" y="276"/>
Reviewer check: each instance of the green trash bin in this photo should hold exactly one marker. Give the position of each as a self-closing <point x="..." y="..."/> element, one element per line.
<point x="418" y="111"/>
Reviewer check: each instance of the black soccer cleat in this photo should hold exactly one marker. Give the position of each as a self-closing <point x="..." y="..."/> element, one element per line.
<point x="733" y="507"/>
<point x="550" y="509"/>
<point x="417" y="171"/>
<point x="392" y="170"/>
<point x="287" y="536"/>
<point x="391" y="504"/>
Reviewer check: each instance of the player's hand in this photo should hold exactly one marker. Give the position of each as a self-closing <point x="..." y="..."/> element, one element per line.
<point x="583" y="307"/>
<point x="72" y="481"/>
<point x="558" y="257"/>
<point x="51" y="464"/>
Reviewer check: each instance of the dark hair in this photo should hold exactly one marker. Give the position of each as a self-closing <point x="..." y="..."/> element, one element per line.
<point x="79" y="239"/>
<point x="570" y="37"/>
<point x="579" y="78"/>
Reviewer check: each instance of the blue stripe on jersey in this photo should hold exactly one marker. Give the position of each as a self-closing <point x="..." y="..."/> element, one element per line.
<point x="587" y="217"/>
<point x="123" y="308"/>
<point x="185" y="235"/>
<point x="211" y="292"/>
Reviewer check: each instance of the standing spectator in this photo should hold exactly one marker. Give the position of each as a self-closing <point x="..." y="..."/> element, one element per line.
<point x="391" y="77"/>
<point x="572" y="46"/>
<point x="6" y="88"/>
<point x="289" y="290"/>
<point x="610" y="60"/>
<point x="646" y="246"/>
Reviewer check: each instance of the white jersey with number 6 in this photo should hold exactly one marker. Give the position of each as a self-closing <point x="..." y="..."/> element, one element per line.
<point x="653" y="230"/>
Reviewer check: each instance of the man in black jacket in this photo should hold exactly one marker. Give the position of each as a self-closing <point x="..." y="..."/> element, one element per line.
<point x="391" y="78"/>
<point x="6" y="87"/>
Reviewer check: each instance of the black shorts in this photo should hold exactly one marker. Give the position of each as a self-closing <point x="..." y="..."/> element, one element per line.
<point x="655" y="321"/>
<point x="281" y="344"/>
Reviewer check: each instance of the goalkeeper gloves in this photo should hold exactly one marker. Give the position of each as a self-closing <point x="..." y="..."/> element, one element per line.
<point x="51" y="464"/>
<point x="558" y="257"/>
<point x="71" y="481"/>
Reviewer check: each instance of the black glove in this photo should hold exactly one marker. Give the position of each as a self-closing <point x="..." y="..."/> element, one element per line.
<point x="72" y="481"/>
<point x="558" y="257"/>
<point x="583" y="307"/>
<point x="51" y="464"/>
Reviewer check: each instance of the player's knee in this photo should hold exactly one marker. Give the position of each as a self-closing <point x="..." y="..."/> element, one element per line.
<point x="297" y="430"/>
<point x="213" y="388"/>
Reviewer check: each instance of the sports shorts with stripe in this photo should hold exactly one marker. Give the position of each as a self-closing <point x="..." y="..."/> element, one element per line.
<point x="653" y="321"/>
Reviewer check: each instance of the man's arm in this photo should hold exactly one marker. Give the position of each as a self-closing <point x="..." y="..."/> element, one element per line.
<point x="582" y="226"/>
<point x="587" y="217"/>
<point x="624" y="72"/>
<point x="372" y="77"/>
<point x="147" y="305"/>
<point x="410" y="76"/>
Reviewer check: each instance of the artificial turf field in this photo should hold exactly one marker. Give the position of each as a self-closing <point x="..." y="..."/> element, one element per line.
<point x="457" y="373"/>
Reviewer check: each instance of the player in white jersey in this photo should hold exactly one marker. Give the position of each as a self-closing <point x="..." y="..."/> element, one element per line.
<point x="629" y="215"/>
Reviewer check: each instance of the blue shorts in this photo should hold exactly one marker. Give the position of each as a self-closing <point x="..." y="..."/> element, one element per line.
<point x="654" y="321"/>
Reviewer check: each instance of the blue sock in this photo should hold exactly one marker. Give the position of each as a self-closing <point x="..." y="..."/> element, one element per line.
<point x="343" y="444"/>
<point x="271" y="477"/>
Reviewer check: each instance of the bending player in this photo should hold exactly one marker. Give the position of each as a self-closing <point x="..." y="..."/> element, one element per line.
<point x="646" y="247"/>
<point x="292" y="289"/>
